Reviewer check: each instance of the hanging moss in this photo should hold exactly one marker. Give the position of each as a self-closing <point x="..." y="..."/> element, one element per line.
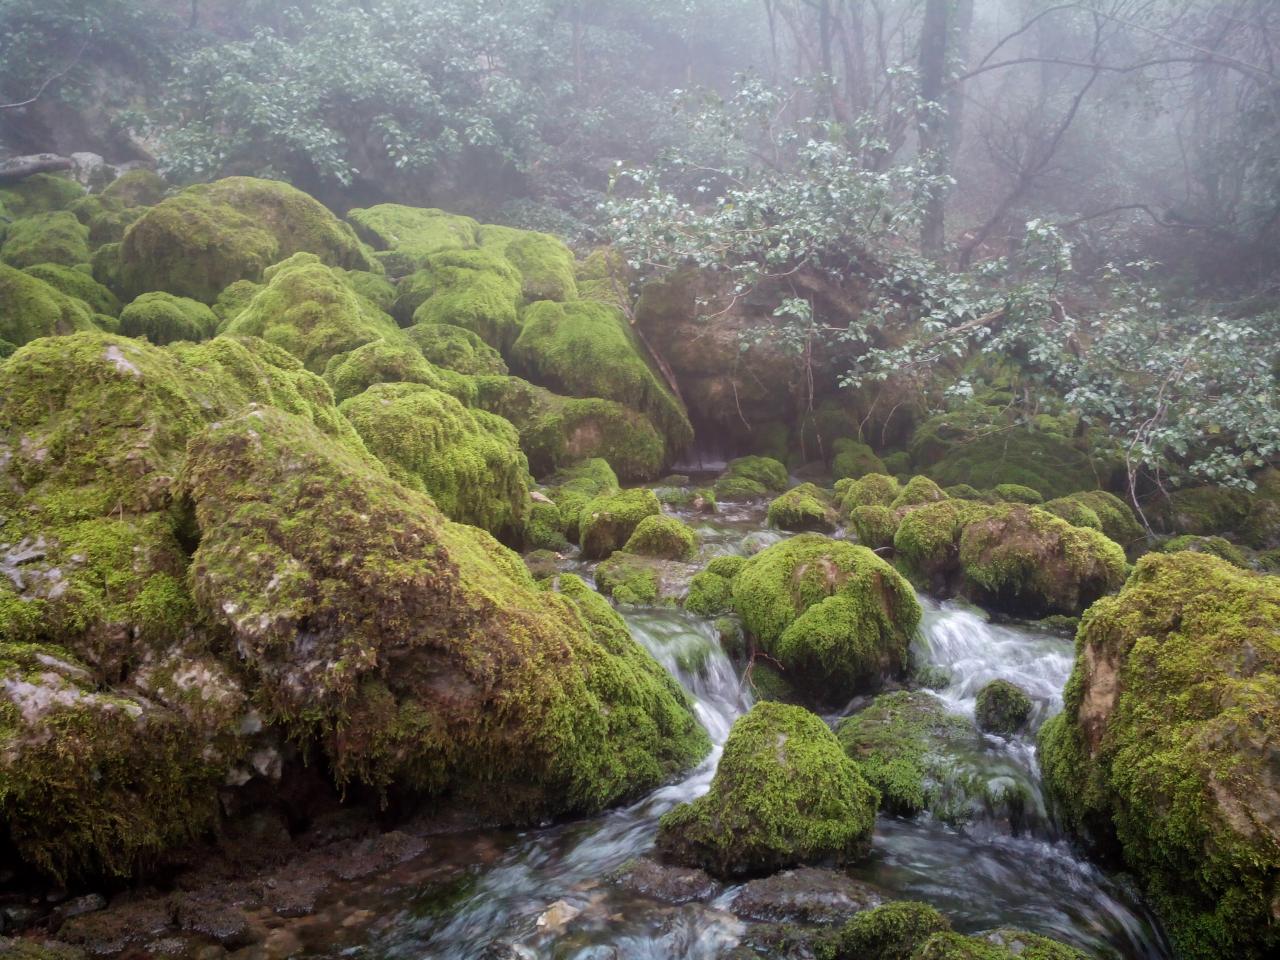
<point x="31" y="308"/>
<point x="608" y="521"/>
<point x="806" y="507"/>
<point x="163" y="318"/>
<point x="1165" y="746"/>
<point x="413" y="232"/>
<point x="77" y="283"/>
<point x="783" y="795"/>
<point x="666" y="537"/>
<point x="46" y="238"/>
<point x="40" y="193"/>
<point x="854" y="459"/>
<point x="456" y="349"/>
<point x="382" y="361"/>
<point x="469" y="461"/>
<point x="837" y="617"/>
<point x="309" y="310"/>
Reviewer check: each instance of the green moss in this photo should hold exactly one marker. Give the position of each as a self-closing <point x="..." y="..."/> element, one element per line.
<point x="927" y="541"/>
<point x="1002" y="944"/>
<point x="473" y="289"/>
<point x="79" y="284"/>
<point x="986" y="454"/>
<point x="31" y="308"/>
<point x="874" y="489"/>
<point x="667" y="537"/>
<point x="163" y="318"/>
<point x="469" y="461"/>
<point x="587" y="349"/>
<point x="727" y="566"/>
<point x="46" y="238"/>
<point x="40" y="193"/>
<point x="875" y="526"/>
<point x="963" y="491"/>
<point x="806" y="507"/>
<point x="893" y="931"/>
<point x="917" y="492"/>
<point x="605" y="276"/>
<point x="837" y="617"/>
<point x="106" y="267"/>
<point x="545" y="527"/>
<point x="546" y="265"/>
<point x="456" y="349"/>
<point x="137" y="188"/>
<point x="574" y="487"/>
<point x="1216" y="546"/>
<point x="710" y="594"/>
<point x="374" y="287"/>
<point x="1002" y="708"/>
<point x="767" y="472"/>
<point x="557" y="431"/>
<point x="382" y="361"/>
<point x="1074" y="512"/>
<point x="1165" y="745"/>
<point x="1115" y="517"/>
<point x="898" y="742"/>
<point x="413" y="232"/>
<point x="628" y="578"/>
<point x="309" y="310"/>
<point x="854" y="459"/>
<point x="607" y="522"/>
<point x="1017" y="493"/>
<point x="784" y="794"/>
<point x="233" y="300"/>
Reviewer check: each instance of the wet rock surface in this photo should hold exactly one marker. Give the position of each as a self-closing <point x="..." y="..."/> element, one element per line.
<point x="808" y="895"/>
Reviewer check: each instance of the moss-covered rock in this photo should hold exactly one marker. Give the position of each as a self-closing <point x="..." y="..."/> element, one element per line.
<point x="854" y="459"/>
<point x="607" y="522"/>
<point x="163" y="318"/>
<point x="1004" y="943"/>
<point x="431" y="660"/>
<point x="837" y="617"/>
<point x="546" y="265"/>
<point x="473" y="289"/>
<point x="1002" y="708"/>
<point x="31" y="308"/>
<point x="927" y="541"/>
<point x="667" y="537"/>
<point x="374" y="287"/>
<point x="1017" y="493"/>
<point x="1166" y="746"/>
<point x="873" y="489"/>
<point x="784" y="794"/>
<point x="46" y="238"/>
<point x="875" y="526"/>
<point x="748" y="478"/>
<point x="587" y="349"/>
<point x="469" y="461"/>
<point x="1115" y="517"/>
<point x="77" y="283"/>
<point x="918" y="492"/>
<point x="40" y="193"/>
<point x="709" y="594"/>
<point x="312" y="312"/>
<point x="806" y="507"/>
<point x="545" y="527"/>
<point x="385" y="361"/>
<point x="558" y="431"/>
<point x="1252" y="517"/>
<point x="413" y="232"/>
<point x="986" y="457"/>
<point x="137" y="188"/>
<point x="1219" y="547"/>
<point x="456" y="349"/>
<point x="893" y="931"/>
<point x="629" y="578"/>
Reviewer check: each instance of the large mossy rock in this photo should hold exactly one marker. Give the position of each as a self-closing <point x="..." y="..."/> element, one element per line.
<point x="1115" y="517"/>
<point x="46" y="238"/>
<point x="607" y="522"/>
<point x="77" y="283"/>
<point x="414" y="232"/>
<point x="163" y="318"/>
<point x="784" y="795"/>
<point x="440" y="630"/>
<point x="478" y="290"/>
<point x="546" y="265"/>
<point x="40" y="193"/>
<point x="456" y="348"/>
<point x="748" y="478"/>
<point x="806" y="507"/>
<point x="311" y="311"/>
<point x="1252" y="517"/>
<point x="210" y="235"/>
<point x="1004" y="943"/>
<point x="836" y="616"/>
<point x="1166" y="746"/>
<point x="469" y="461"/>
<point x="31" y="308"/>
<point x="392" y="361"/>
<point x="587" y="349"/>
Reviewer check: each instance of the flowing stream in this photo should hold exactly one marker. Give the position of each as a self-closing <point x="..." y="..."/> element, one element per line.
<point x="548" y="893"/>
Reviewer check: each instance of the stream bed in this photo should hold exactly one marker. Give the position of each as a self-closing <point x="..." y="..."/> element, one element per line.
<point x="549" y="893"/>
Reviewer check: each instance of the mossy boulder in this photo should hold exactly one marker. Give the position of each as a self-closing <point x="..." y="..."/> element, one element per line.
<point x="545" y="527"/>
<point x="546" y="265"/>
<point x="1219" y="547"/>
<point x="456" y="349"/>
<point x="469" y="461"/>
<point x="1003" y="944"/>
<point x="31" y="308"/>
<point x="663" y="536"/>
<point x="137" y="188"/>
<point x="374" y="287"/>
<point x="854" y="459"/>
<point x="873" y="489"/>
<point x="892" y="931"/>
<point x="1017" y="493"/>
<point x="875" y="526"/>
<point x="39" y="193"/>
<point x="312" y="312"/>
<point x="46" y="238"/>
<point x="387" y="361"/>
<point x="1002" y="707"/>
<point x="917" y="492"/>
<point x="607" y="522"/>
<point x="1115" y="517"/>
<point x="748" y="478"/>
<point x="1252" y="517"/>
<point x="413" y="232"/>
<point x="558" y="431"/>
<point x="710" y="594"/>
<point x="927" y="541"/>
<point x="784" y="795"/>
<point x="1166" y="746"/>
<point x="806" y="507"/>
<point x="473" y="289"/>
<point x="630" y="578"/>
<point x="587" y="349"/>
<point x="986" y="457"/>
<point x="837" y="617"/>
<point x="78" y="283"/>
<point x="163" y="318"/>
<point x="574" y="487"/>
<point x="438" y="631"/>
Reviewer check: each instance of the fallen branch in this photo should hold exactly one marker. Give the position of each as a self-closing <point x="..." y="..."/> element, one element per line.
<point x="19" y="168"/>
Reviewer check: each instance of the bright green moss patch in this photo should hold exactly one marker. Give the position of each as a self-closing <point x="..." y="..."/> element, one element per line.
<point x="873" y="489"/>
<point x="31" y="308"/>
<point x="456" y="349"/>
<point x="79" y="284"/>
<point x="893" y="931"/>
<point x="469" y="461"/>
<point x="1002" y="944"/>
<point x="545" y="528"/>
<point x="136" y="188"/>
<point x="1002" y="708"/>
<point x="1166" y="745"/>
<point x="854" y="459"/>
<point x="806" y="507"/>
<point x="163" y="318"/>
<point x="40" y="193"/>
<point x="374" y="287"/>
<point x="783" y="795"/>
<point x="1047" y="463"/>
<point x="669" y="538"/>
<point x="628" y="578"/>
<point x="383" y="361"/>
<point x="1017" y="493"/>
<point x="1219" y="547"/>
<point x="875" y="526"/>
<point x="917" y="492"/>
<point x="607" y="522"/>
<point x="46" y="238"/>
<point x="710" y="594"/>
<point x="927" y="541"/>
<point x="545" y="264"/>
<point x="414" y="233"/>
<point x="837" y="617"/>
<point x="473" y="289"/>
<point x="574" y="487"/>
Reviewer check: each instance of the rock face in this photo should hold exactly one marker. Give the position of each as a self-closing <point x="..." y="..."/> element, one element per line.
<point x="837" y="617"/>
<point x="784" y="795"/>
<point x="1167" y="746"/>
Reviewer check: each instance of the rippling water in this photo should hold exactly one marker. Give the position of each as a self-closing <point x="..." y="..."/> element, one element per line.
<point x="548" y="894"/>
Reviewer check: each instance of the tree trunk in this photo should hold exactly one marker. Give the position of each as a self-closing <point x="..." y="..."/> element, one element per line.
<point x="931" y="123"/>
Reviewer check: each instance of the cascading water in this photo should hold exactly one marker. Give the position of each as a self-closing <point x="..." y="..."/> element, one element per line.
<point x="548" y="893"/>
